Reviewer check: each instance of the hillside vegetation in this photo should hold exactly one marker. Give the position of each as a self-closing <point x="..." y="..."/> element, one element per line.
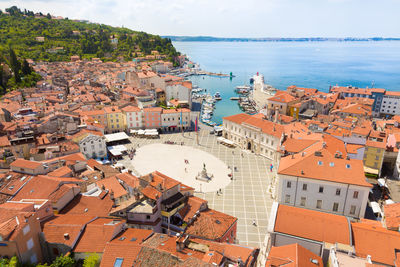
<point x="47" y="38"/>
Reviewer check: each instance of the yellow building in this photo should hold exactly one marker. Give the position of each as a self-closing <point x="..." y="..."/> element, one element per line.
<point x="116" y="121"/>
<point x="373" y="157"/>
<point x="294" y="110"/>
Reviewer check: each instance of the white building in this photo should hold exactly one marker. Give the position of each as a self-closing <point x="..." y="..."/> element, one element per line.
<point x="93" y="146"/>
<point x="390" y="104"/>
<point x="134" y="117"/>
<point x="254" y="133"/>
<point x="171" y="119"/>
<point x="179" y="91"/>
<point x="316" y="179"/>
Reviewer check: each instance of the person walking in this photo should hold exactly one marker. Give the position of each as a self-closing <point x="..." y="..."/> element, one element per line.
<point x="254" y="222"/>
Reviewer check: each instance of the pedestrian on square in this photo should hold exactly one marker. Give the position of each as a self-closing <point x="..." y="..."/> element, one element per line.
<point x="254" y="222"/>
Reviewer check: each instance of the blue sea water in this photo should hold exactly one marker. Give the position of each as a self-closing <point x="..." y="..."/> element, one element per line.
<point x="305" y="64"/>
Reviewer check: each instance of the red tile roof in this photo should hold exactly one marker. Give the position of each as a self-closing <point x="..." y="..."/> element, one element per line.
<point x="65" y="229"/>
<point x="28" y="164"/>
<point x="89" y="205"/>
<point x="314" y="225"/>
<point x="292" y="255"/>
<point x="324" y="166"/>
<point x="112" y="185"/>
<point x="266" y="126"/>
<point x="392" y="216"/>
<point x="97" y="233"/>
<point x="211" y="224"/>
<point x="377" y="242"/>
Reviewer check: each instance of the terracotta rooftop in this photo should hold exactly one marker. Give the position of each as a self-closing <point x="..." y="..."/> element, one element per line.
<point x="28" y="164"/>
<point x="97" y="233"/>
<point x="377" y="242"/>
<point x="292" y="255"/>
<point x="392" y="216"/>
<point x="314" y="225"/>
<point x="211" y="224"/>
<point x="89" y="205"/>
<point x="320" y="164"/>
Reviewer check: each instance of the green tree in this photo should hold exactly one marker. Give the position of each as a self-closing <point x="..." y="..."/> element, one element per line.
<point x="92" y="260"/>
<point x="63" y="261"/>
<point x="26" y="69"/>
<point x="15" y="65"/>
<point x="48" y="16"/>
<point x="13" y="262"/>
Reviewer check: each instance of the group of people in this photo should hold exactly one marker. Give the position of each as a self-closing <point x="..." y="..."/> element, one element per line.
<point x="131" y="152"/>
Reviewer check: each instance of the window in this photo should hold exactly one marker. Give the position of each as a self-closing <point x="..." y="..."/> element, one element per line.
<point x="302" y="201"/>
<point x="304" y="187"/>
<point x="335" y="207"/>
<point x="321" y="189"/>
<point x="118" y="262"/>
<point x="287" y="199"/>
<point x="289" y="184"/>
<point x="147" y="217"/>
<point x="26" y="229"/>
<point x="338" y="191"/>
<point x="34" y="258"/>
<point x="355" y="194"/>
<point x="29" y="244"/>
<point x="320" y="163"/>
<point x="331" y="164"/>
<point x="353" y="210"/>
<point x="347" y="166"/>
<point x="319" y="204"/>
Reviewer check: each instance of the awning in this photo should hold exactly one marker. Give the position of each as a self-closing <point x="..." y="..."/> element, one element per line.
<point x="389" y="201"/>
<point x="116" y="137"/>
<point x="226" y="141"/>
<point x="375" y="207"/>
<point x="382" y="182"/>
<point x="370" y="170"/>
<point x="117" y="150"/>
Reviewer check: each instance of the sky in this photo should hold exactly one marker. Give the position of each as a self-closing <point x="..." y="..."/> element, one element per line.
<point x="233" y="18"/>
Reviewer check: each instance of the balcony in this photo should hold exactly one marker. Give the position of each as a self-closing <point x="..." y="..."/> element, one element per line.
<point x="171" y="202"/>
<point x="171" y="212"/>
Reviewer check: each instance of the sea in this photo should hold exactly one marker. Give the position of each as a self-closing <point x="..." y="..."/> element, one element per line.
<point x="305" y="64"/>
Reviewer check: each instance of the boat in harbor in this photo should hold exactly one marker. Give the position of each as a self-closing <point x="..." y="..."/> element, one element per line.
<point x="217" y="96"/>
<point x="247" y="87"/>
<point x="234" y="98"/>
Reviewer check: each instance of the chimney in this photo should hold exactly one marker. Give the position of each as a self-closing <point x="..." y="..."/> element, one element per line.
<point x="66" y="236"/>
<point x="112" y="195"/>
<point x="151" y="177"/>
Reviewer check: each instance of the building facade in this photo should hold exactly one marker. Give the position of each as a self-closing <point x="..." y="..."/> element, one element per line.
<point x="93" y="146"/>
<point x="134" y="117"/>
<point x="254" y="133"/>
<point x="321" y="181"/>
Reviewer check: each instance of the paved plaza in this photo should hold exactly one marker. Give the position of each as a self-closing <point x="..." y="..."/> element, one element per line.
<point x="246" y="197"/>
<point x="183" y="163"/>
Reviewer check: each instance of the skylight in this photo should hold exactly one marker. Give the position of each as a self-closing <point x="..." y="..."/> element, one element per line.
<point x="118" y="262"/>
<point x="331" y="164"/>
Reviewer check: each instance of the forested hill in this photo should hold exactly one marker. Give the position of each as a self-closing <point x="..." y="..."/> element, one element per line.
<point x="48" y="38"/>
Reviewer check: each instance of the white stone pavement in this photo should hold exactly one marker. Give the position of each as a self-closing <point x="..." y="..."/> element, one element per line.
<point x="170" y="160"/>
<point x="247" y="197"/>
